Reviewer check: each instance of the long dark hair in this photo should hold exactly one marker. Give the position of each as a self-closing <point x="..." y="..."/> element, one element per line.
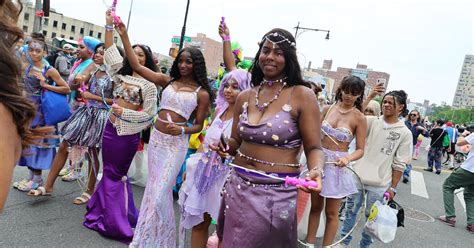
<point x="199" y="69"/>
<point x="127" y="69"/>
<point x="292" y="67"/>
<point x="353" y="85"/>
<point x="419" y="116"/>
<point x="22" y="110"/>
<point x="400" y="97"/>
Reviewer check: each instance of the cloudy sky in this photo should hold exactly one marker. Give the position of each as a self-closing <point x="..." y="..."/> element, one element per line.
<point x="420" y="43"/>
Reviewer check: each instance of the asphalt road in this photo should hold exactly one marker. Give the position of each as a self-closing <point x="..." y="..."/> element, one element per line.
<point x="56" y="222"/>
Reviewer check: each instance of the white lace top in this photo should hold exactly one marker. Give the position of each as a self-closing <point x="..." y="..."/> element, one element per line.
<point x="149" y="96"/>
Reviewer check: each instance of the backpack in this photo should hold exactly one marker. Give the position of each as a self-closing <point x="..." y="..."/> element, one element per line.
<point x="51" y="58"/>
<point x="446" y="140"/>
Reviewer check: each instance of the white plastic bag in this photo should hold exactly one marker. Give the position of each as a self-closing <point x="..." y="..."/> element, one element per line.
<point x="382" y="222"/>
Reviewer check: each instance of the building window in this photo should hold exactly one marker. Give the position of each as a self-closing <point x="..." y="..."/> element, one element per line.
<point x="62" y="36"/>
<point x="27" y="16"/>
<point x="55" y="24"/>
<point x="46" y="21"/>
<point x="73" y="28"/>
<point x="45" y="33"/>
<point x="91" y="33"/>
<point x="71" y="38"/>
<point x="25" y="29"/>
<point x="82" y="31"/>
<point x="64" y="26"/>
<point x="53" y="35"/>
<point x="115" y="39"/>
<point x="99" y="35"/>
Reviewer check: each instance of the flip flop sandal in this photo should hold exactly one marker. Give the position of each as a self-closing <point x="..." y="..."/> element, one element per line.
<point x="83" y="199"/>
<point x="40" y="191"/>
<point x="64" y="172"/>
<point x="29" y="186"/>
<point x="22" y="182"/>
<point x="72" y="176"/>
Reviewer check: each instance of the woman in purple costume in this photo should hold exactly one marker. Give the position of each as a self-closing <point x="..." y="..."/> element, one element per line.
<point x="270" y="127"/>
<point x="342" y="122"/>
<point x="38" y="77"/>
<point x="111" y="210"/>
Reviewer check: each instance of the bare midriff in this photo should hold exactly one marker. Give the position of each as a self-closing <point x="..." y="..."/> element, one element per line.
<point x="327" y="143"/>
<point x="124" y="104"/>
<point x="161" y="126"/>
<point x="269" y="154"/>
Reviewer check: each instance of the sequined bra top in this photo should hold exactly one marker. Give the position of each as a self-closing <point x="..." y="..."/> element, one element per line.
<point x="102" y="86"/>
<point x="181" y="102"/>
<point x="280" y="130"/>
<point x="129" y="93"/>
<point x="341" y="134"/>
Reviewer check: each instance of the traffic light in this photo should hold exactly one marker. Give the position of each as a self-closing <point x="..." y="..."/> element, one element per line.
<point x="46" y="7"/>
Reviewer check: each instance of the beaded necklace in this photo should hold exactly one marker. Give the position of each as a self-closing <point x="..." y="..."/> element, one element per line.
<point x="266" y="104"/>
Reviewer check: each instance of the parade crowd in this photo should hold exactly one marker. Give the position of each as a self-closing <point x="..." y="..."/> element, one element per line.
<point x="240" y="151"/>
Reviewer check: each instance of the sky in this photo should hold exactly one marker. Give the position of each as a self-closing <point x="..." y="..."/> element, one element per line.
<point x="420" y="43"/>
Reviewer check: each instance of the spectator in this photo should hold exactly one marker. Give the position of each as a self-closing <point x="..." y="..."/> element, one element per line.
<point x="413" y="123"/>
<point x="462" y="177"/>
<point x="453" y="137"/>
<point x="63" y="61"/>
<point x="436" y="147"/>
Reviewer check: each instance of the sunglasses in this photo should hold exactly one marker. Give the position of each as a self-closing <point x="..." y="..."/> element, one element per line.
<point x="413" y="115"/>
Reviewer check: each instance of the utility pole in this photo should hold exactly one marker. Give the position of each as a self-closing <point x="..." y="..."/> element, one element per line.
<point x="37" y="20"/>
<point x="183" y="31"/>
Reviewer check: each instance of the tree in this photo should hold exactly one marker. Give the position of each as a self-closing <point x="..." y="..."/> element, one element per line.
<point x="457" y="116"/>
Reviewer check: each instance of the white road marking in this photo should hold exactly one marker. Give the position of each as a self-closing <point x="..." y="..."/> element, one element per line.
<point x="460" y="194"/>
<point x="418" y="186"/>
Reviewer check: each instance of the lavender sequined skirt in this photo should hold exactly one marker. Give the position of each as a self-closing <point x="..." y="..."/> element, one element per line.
<point x="200" y="192"/>
<point x="338" y="182"/>
<point x="86" y="126"/>
<point x="256" y="212"/>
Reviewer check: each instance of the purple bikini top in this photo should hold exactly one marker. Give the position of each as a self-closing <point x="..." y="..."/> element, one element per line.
<point x="280" y="130"/>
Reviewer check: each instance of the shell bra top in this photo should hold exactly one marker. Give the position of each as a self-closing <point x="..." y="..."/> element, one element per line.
<point x="281" y="130"/>
<point x="341" y="134"/>
<point x="181" y="102"/>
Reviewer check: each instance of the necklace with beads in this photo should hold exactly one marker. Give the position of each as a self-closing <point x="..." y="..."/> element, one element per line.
<point x="266" y="104"/>
<point x="344" y="112"/>
<point x="271" y="82"/>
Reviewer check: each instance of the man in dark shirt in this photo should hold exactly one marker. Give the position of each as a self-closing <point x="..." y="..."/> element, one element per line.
<point x="436" y="147"/>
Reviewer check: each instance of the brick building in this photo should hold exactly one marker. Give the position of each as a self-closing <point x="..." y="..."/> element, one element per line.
<point x="211" y="49"/>
<point x="370" y="76"/>
<point x="59" y="26"/>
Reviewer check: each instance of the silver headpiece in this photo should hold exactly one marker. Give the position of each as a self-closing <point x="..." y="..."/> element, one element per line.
<point x="282" y="37"/>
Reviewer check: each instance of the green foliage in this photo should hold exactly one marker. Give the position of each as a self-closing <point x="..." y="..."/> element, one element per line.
<point x="445" y="112"/>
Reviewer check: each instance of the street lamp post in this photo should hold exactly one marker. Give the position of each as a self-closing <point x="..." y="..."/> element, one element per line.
<point x="183" y="31"/>
<point x="310" y="29"/>
<point x="129" y="14"/>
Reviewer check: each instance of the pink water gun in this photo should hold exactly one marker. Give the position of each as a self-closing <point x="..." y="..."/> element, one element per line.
<point x="300" y="182"/>
<point x="117" y="19"/>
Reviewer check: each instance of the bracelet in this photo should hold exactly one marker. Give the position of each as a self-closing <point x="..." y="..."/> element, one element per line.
<point x="226" y="38"/>
<point x="109" y="28"/>
<point x="319" y="170"/>
<point x="393" y="190"/>
<point x="182" y="130"/>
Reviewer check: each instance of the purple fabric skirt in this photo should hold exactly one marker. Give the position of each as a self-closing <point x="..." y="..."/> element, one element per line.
<point x="111" y="210"/>
<point x="257" y="211"/>
<point x="338" y="182"/>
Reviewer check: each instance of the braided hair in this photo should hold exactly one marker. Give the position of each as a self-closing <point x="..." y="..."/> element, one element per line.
<point x="199" y="69"/>
<point x="400" y="97"/>
<point x="353" y="85"/>
<point x="292" y="67"/>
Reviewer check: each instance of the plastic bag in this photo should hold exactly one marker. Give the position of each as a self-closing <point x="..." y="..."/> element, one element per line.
<point x="382" y="222"/>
